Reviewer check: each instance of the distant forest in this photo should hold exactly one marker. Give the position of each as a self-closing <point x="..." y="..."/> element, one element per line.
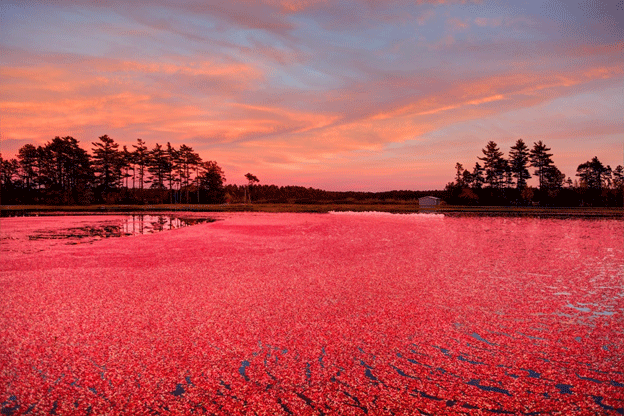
<point x="503" y="181"/>
<point x="63" y="173"/>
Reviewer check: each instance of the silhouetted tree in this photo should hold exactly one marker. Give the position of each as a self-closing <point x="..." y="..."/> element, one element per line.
<point x="125" y="164"/>
<point x="541" y="161"/>
<point x="493" y="164"/>
<point x="477" y="176"/>
<point x="158" y="166"/>
<point x="553" y="178"/>
<point x="28" y="165"/>
<point x="67" y="171"/>
<point x="106" y="163"/>
<point x="188" y="160"/>
<point x="593" y="174"/>
<point x="141" y="159"/>
<point x="467" y="178"/>
<point x="8" y="176"/>
<point x="459" y="176"/>
<point x="519" y="161"/>
<point x="251" y="180"/>
<point x="618" y="177"/>
<point x="174" y="167"/>
<point x="211" y="182"/>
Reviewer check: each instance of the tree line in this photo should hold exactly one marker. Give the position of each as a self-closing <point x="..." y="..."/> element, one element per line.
<point x="503" y="181"/>
<point x="61" y="172"/>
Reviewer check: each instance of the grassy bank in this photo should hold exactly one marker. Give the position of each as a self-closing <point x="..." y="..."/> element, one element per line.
<point x="393" y="207"/>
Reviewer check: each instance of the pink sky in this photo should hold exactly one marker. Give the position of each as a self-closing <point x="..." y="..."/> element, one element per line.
<point x="350" y="95"/>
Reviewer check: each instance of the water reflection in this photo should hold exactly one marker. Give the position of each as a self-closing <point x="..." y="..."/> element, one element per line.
<point x="148" y="224"/>
<point x="126" y="225"/>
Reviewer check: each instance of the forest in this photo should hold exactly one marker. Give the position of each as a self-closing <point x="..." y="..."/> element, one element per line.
<point x="61" y="172"/>
<point x="503" y="181"/>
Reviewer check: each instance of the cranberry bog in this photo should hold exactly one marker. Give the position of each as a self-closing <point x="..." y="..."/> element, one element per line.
<point x="319" y="314"/>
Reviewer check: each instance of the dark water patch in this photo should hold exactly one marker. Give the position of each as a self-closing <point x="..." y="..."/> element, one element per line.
<point x="462" y="358"/>
<point x="402" y="373"/>
<point x="564" y="388"/>
<point x="284" y="407"/>
<point x="370" y="375"/>
<point x="428" y="396"/>
<point x="598" y="400"/>
<point x="305" y="398"/>
<point x="531" y="373"/>
<point x="477" y="383"/>
<point x="10" y="409"/>
<point x="442" y="350"/>
<point x="242" y="369"/>
<point x="179" y="390"/>
<point x="415" y="362"/>
<point x="356" y="401"/>
<point x="478" y="337"/>
<point x="589" y="379"/>
<point x="125" y="226"/>
<point x="308" y="372"/>
<point x="616" y="384"/>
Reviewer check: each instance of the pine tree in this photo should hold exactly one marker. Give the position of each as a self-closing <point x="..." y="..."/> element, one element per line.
<point x="541" y="161"/>
<point x="141" y="158"/>
<point x="477" y="176"/>
<point x="158" y="166"/>
<point x="519" y="161"/>
<point x="493" y="164"/>
<point x="27" y="158"/>
<point x="594" y="174"/>
<point x="106" y="163"/>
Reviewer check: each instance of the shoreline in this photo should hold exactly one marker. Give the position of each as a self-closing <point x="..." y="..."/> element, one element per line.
<point x="396" y="208"/>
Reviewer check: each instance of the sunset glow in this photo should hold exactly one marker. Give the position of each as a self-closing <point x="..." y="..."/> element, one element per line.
<point x="339" y="95"/>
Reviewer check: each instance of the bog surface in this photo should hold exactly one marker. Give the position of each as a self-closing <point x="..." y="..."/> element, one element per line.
<point x="314" y="314"/>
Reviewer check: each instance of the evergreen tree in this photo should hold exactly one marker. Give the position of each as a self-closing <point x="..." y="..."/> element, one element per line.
<point x="618" y="177"/>
<point x="211" y="182"/>
<point x="8" y="176"/>
<point x="553" y="178"/>
<point x="477" y="176"/>
<point x="541" y="161"/>
<point x="593" y="174"/>
<point x="251" y="180"/>
<point x="141" y="158"/>
<point x="459" y="176"/>
<point x="158" y="166"/>
<point x="125" y="164"/>
<point x="519" y="161"/>
<point x="188" y="161"/>
<point x="28" y="162"/>
<point x="106" y="163"/>
<point x="67" y="169"/>
<point x="467" y="178"/>
<point x="493" y="164"/>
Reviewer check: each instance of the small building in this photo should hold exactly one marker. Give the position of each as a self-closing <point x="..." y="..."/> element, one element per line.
<point x="429" y="201"/>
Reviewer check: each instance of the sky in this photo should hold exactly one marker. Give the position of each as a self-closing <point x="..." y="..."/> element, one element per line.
<point x="360" y="95"/>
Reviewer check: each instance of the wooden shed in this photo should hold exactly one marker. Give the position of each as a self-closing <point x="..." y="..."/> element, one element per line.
<point x="429" y="201"/>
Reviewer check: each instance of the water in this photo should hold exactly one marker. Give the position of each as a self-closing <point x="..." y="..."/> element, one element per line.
<point x="120" y="226"/>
